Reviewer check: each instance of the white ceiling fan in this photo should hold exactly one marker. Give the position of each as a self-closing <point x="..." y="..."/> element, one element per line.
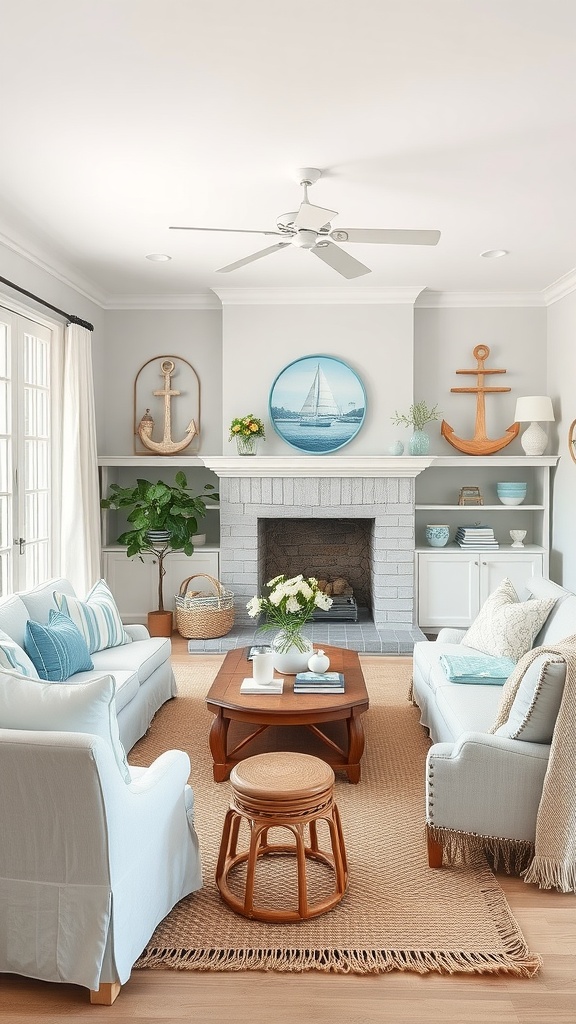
<point x="309" y="228"/>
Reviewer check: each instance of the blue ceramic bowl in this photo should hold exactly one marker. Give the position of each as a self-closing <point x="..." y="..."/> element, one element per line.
<point x="437" y="536"/>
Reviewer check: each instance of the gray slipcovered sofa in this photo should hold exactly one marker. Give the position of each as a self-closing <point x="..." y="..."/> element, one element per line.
<point x="476" y="782"/>
<point x="142" y="671"/>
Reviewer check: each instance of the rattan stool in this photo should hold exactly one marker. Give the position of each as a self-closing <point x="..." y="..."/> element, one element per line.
<point x="290" y="791"/>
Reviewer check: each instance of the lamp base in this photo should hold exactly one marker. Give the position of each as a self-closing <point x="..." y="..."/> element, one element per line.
<point x="534" y="440"/>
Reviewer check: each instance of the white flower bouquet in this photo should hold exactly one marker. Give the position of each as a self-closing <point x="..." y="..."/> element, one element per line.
<point x="287" y="607"/>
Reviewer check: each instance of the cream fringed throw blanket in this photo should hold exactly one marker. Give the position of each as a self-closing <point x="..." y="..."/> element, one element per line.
<point x="554" y="863"/>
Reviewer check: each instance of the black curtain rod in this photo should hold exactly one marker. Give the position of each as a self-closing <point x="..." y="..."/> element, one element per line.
<point x="71" y="319"/>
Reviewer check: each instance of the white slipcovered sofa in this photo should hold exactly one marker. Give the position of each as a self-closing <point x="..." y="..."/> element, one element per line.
<point x="478" y="783"/>
<point x="141" y="669"/>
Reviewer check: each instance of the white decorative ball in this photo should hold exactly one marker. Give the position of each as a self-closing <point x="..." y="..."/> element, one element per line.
<point x="319" y="662"/>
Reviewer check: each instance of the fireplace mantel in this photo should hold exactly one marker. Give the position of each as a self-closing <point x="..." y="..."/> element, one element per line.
<point x="316" y="465"/>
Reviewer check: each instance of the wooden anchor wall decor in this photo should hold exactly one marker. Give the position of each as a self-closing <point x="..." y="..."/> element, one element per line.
<point x="480" y="444"/>
<point x="145" y="428"/>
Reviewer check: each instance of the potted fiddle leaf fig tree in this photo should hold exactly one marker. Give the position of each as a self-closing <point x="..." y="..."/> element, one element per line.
<point x="163" y="518"/>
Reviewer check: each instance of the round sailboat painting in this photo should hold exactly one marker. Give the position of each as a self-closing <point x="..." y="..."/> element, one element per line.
<point x="317" y="404"/>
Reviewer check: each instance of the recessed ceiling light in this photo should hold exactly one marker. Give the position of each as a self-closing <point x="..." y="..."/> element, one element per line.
<point x="158" y="257"/>
<point x="494" y="254"/>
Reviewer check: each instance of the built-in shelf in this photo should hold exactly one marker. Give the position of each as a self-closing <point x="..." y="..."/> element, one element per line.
<point x="480" y="508"/>
<point x="150" y="460"/>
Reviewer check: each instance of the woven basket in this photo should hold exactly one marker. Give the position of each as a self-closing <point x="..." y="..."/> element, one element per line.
<point x="201" y="616"/>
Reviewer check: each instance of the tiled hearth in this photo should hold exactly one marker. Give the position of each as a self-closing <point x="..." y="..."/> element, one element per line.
<point x="381" y="490"/>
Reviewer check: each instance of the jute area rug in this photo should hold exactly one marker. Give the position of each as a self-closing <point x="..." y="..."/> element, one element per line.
<point x="398" y="914"/>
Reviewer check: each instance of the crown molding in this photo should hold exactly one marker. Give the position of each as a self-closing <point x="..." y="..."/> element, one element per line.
<point x="198" y="300"/>
<point x="437" y="300"/>
<point x="59" y="271"/>
<point x="317" y="296"/>
<point x="560" y="288"/>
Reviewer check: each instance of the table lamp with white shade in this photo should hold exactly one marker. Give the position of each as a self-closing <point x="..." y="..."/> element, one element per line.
<point x="534" y="409"/>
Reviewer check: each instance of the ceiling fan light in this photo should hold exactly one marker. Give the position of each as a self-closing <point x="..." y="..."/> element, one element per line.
<point x="305" y="239"/>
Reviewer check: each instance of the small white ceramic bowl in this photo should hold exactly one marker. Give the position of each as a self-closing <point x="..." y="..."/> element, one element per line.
<point x="509" y="500"/>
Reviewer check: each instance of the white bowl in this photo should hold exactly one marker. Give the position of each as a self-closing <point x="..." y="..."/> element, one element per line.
<point x="509" y="500"/>
<point x="198" y="539"/>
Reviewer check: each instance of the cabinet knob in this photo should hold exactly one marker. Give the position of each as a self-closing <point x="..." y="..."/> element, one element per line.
<point x="483" y="563"/>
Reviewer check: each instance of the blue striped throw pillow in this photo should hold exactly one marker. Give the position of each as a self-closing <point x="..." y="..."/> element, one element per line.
<point x="13" y="657"/>
<point x="58" y="650"/>
<point x="97" y="617"/>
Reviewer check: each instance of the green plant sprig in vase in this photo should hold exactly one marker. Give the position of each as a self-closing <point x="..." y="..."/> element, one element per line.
<point x="418" y="416"/>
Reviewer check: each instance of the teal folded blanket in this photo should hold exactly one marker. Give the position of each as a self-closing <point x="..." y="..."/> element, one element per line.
<point x="460" y="668"/>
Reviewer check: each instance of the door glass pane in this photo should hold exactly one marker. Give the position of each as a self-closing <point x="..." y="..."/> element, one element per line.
<point x="36" y="459"/>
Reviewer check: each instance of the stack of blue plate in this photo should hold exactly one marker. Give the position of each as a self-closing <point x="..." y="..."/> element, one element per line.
<point x="511" y="493"/>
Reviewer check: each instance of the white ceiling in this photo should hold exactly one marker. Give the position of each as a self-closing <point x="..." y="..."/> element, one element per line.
<point x="121" y="117"/>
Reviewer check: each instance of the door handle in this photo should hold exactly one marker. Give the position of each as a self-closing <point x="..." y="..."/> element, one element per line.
<point x="21" y="542"/>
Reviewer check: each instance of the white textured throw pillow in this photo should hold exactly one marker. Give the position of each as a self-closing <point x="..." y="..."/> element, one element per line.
<point x="505" y="627"/>
<point x="537" y="702"/>
<point x="63" y="707"/>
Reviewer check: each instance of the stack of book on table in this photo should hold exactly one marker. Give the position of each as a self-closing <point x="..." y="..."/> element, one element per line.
<point x="319" y="682"/>
<point x="477" y="538"/>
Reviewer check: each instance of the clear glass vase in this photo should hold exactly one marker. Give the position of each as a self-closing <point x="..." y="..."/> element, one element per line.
<point x="247" y="445"/>
<point x="290" y="657"/>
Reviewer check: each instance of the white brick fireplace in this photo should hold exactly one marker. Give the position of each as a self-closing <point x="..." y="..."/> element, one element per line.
<point x="376" y="488"/>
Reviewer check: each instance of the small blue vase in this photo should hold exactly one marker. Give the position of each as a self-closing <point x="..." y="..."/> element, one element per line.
<point x="419" y="443"/>
<point x="396" y="448"/>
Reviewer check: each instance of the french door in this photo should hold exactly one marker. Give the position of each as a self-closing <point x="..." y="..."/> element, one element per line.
<point x="25" y="452"/>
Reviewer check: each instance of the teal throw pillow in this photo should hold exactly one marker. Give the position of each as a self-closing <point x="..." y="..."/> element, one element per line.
<point x="460" y="668"/>
<point x="57" y="650"/>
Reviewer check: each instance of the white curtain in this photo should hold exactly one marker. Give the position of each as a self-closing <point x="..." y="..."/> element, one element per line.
<point x="80" y="546"/>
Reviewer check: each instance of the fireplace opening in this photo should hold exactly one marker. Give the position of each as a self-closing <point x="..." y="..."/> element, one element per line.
<point x="329" y="549"/>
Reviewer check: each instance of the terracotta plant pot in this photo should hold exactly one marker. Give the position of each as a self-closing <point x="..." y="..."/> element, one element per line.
<point x="160" y="623"/>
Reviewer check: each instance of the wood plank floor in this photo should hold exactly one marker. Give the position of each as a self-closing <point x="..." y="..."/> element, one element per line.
<point x="547" y="919"/>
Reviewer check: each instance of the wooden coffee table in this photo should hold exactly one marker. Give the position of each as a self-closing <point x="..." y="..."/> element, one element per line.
<point x="288" y="708"/>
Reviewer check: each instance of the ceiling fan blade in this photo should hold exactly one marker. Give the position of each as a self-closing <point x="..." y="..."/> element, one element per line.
<point x="312" y="218"/>
<point x="388" y="236"/>
<point x="237" y="231"/>
<point x="250" y="259"/>
<point x="339" y="260"/>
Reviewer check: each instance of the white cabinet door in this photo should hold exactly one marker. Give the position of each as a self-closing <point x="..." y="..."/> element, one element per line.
<point x="134" y="583"/>
<point x="447" y="588"/>
<point x="518" y="566"/>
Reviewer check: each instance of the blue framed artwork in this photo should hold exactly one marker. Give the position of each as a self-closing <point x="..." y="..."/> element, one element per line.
<point x="317" y="404"/>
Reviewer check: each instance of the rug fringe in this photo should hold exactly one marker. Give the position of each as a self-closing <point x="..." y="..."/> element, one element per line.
<point x="345" y="961"/>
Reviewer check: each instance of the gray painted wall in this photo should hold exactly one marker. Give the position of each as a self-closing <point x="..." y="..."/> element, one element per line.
<point x="134" y="336"/>
<point x="443" y="343"/>
<point x="375" y="340"/>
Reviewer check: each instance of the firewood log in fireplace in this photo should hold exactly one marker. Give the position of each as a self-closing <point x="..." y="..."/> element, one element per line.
<point x="338" y="587"/>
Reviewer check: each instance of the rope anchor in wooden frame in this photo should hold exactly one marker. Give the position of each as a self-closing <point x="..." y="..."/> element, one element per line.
<point x="145" y="427"/>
